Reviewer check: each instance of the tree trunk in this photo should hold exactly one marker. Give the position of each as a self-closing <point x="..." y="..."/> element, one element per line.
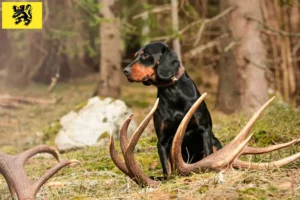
<point x="295" y="24"/>
<point x="242" y="85"/>
<point x="4" y="47"/>
<point x="146" y="26"/>
<point x="110" y="48"/>
<point x="175" y="27"/>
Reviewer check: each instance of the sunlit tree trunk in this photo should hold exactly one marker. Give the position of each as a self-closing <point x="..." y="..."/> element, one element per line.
<point x="242" y="85"/>
<point x="295" y="27"/>
<point x="175" y="27"/>
<point x="4" y="47"/>
<point x="110" y="48"/>
<point x="146" y="27"/>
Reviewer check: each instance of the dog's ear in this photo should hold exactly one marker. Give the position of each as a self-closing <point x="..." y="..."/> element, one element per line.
<point x="168" y="65"/>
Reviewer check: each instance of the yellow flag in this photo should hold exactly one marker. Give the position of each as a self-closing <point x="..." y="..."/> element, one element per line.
<point x="22" y="15"/>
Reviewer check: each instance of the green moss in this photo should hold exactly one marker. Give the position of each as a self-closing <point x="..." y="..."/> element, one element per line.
<point x="253" y="191"/>
<point x="104" y="135"/>
<point x="148" y="141"/>
<point x="81" y="198"/>
<point x="104" y="119"/>
<point x="80" y="106"/>
<point x="264" y="138"/>
<point x="9" y="150"/>
<point x="102" y="98"/>
<point x="203" y="189"/>
<point x="137" y="103"/>
<point x="50" y="132"/>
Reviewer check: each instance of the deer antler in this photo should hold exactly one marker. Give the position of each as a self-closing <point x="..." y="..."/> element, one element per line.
<point x="227" y="156"/>
<point x="12" y="168"/>
<point x="221" y="159"/>
<point x="130" y="166"/>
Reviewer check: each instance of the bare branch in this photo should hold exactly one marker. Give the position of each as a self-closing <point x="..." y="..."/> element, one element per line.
<point x="198" y="50"/>
<point x="296" y="48"/>
<point x="46" y="11"/>
<point x="204" y="22"/>
<point x="159" y="9"/>
<point x="53" y="83"/>
<point x="213" y="19"/>
<point x="280" y="32"/>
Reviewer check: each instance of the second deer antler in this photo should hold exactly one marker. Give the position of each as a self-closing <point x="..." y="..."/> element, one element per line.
<point x="219" y="160"/>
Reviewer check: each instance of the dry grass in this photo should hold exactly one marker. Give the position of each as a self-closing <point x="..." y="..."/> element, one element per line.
<point x="98" y="178"/>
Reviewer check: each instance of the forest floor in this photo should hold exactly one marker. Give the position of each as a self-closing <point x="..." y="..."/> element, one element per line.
<point x="98" y="178"/>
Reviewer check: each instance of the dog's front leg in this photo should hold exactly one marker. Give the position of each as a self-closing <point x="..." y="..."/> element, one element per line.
<point x="164" y="148"/>
<point x="207" y="141"/>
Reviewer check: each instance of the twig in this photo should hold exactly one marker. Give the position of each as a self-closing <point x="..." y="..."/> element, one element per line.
<point x="183" y="30"/>
<point x="166" y="37"/>
<point x="258" y="65"/>
<point x="53" y="82"/>
<point x="46" y="11"/>
<point x="154" y="10"/>
<point x="86" y="10"/>
<point x="190" y="25"/>
<point x="213" y="19"/>
<point x="201" y="48"/>
<point x="231" y="45"/>
<point x="280" y="32"/>
<point x="199" y="33"/>
<point x="296" y="48"/>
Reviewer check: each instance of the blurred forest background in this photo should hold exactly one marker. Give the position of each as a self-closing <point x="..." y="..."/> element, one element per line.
<point x="242" y="51"/>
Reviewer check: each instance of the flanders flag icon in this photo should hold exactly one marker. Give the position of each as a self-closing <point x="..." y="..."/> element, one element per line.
<point x="22" y="15"/>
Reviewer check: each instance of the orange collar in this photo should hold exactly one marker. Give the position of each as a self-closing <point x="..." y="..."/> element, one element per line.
<point x="174" y="79"/>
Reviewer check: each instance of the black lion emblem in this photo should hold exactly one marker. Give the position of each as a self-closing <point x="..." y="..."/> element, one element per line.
<point x="22" y="12"/>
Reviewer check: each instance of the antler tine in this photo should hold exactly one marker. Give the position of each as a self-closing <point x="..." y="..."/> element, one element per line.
<point x="261" y="150"/>
<point x="115" y="158"/>
<point x="124" y="135"/>
<point x="176" y="156"/>
<point x="123" y="143"/>
<point x="275" y="164"/>
<point x="43" y="179"/>
<point x="25" y="156"/>
<point x="132" y="166"/>
<point x="4" y="162"/>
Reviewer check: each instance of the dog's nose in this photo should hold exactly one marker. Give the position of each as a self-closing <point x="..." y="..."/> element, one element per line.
<point x="126" y="71"/>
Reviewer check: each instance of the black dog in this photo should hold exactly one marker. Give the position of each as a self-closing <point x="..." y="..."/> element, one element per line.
<point x="157" y="64"/>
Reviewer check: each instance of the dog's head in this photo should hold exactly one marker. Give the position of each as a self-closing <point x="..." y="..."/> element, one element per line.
<point x="153" y="63"/>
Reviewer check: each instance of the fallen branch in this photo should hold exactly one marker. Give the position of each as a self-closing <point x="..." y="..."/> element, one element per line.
<point x="10" y="105"/>
<point x="25" y="100"/>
